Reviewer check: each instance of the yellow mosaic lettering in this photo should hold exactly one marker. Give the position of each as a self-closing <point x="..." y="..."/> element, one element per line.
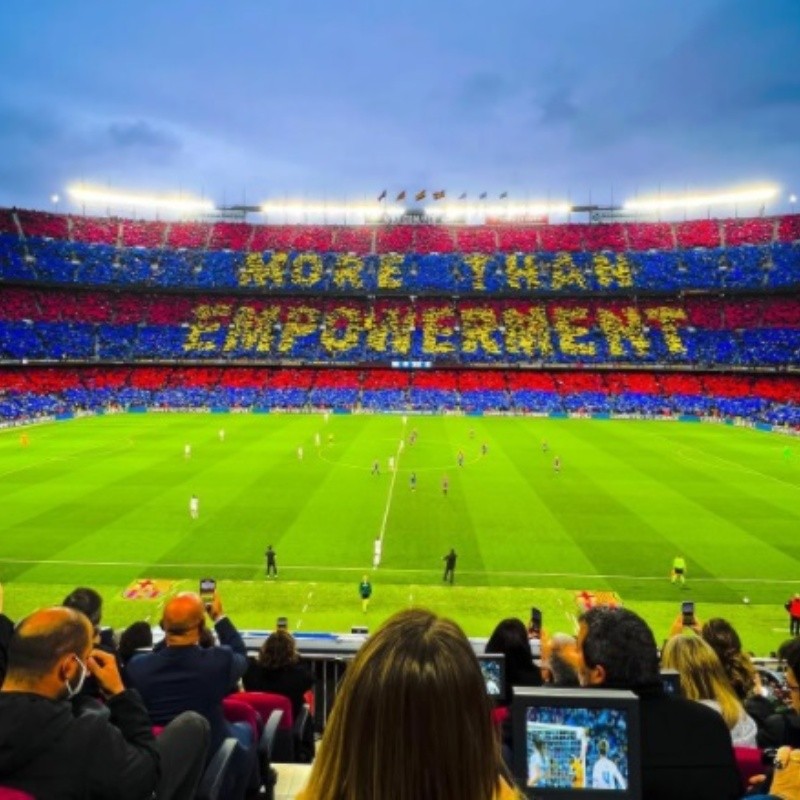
<point x="527" y="333"/>
<point x="393" y="330"/>
<point x="437" y="329"/>
<point x="307" y="269"/>
<point x="668" y="319"/>
<point x="617" y="331"/>
<point x="566" y="273"/>
<point x="206" y="323"/>
<point x="336" y="338"/>
<point x="567" y="322"/>
<point x="522" y="272"/>
<point x="256" y="272"/>
<point x="347" y="271"/>
<point x="389" y="274"/>
<point x="477" y="263"/>
<point x="251" y="329"/>
<point x="477" y="327"/>
<point x="300" y="321"/>
<point x="612" y="273"/>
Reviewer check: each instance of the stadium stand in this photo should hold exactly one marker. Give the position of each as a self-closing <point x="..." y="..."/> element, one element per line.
<point x="699" y="317"/>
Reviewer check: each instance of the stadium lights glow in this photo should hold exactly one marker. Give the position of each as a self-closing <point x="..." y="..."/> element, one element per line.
<point x="502" y="210"/>
<point x="315" y="209"/>
<point x="89" y="196"/>
<point x="756" y="194"/>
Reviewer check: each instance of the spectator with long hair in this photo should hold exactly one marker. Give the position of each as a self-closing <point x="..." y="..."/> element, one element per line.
<point x="738" y="666"/>
<point x="277" y="669"/>
<point x="784" y="729"/>
<point x="703" y="679"/>
<point x="510" y="639"/>
<point x="412" y="720"/>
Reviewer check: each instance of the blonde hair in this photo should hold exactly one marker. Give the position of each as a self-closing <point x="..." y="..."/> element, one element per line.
<point x="702" y="675"/>
<point x="411" y="720"/>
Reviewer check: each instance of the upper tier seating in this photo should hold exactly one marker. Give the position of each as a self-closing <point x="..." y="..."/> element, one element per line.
<point x="746" y="330"/>
<point x="305" y="271"/>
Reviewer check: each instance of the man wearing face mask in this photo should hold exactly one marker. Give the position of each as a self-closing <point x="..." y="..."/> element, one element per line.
<point x="48" y="752"/>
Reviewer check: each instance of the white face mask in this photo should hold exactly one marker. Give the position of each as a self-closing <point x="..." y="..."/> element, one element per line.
<point x="73" y="690"/>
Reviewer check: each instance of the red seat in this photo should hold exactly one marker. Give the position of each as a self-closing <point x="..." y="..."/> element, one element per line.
<point x="14" y="794"/>
<point x="748" y="759"/>
<point x="236" y="711"/>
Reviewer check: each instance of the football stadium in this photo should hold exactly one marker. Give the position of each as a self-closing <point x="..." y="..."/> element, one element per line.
<point x="400" y="403"/>
<point x="599" y="397"/>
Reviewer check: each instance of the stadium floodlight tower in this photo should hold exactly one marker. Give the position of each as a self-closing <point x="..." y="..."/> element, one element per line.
<point x="122" y="200"/>
<point x="688" y="202"/>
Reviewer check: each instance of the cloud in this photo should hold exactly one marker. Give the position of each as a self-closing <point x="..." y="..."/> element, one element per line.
<point x="142" y="136"/>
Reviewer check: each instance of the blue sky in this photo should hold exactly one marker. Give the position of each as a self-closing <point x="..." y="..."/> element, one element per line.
<point x="274" y="98"/>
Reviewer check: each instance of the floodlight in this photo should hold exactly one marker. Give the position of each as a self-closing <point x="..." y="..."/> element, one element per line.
<point x="756" y="194"/>
<point x="103" y="197"/>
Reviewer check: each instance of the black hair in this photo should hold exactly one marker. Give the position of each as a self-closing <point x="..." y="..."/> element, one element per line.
<point x="623" y="644"/>
<point x="87" y="601"/>
<point x="135" y="637"/>
<point x="33" y="655"/>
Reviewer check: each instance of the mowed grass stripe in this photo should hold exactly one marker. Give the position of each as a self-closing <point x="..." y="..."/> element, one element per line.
<point x="708" y="507"/>
<point x="621" y="505"/>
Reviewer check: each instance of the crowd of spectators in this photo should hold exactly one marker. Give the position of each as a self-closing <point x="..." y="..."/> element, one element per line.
<point x="32" y="392"/>
<point x="411" y="713"/>
<point x="56" y="325"/>
<point x="733" y="268"/>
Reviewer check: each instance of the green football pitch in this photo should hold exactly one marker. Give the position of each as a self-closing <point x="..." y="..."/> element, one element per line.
<point x="105" y="501"/>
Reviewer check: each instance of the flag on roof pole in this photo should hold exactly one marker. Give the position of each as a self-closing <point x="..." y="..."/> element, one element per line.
<point x="401" y="196"/>
<point x="462" y="196"/>
<point x="503" y="195"/>
<point x="482" y="196"/>
<point x="420" y="195"/>
<point x="382" y="196"/>
<point x="440" y="195"/>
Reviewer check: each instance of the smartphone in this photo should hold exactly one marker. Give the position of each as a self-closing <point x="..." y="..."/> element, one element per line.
<point x="282" y="624"/>
<point x="207" y="588"/>
<point x="536" y="620"/>
<point x="687" y="609"/>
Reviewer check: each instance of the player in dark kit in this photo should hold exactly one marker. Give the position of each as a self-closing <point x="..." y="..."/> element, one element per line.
<point x="272" y="566"/>
<point x="450" y="565"/>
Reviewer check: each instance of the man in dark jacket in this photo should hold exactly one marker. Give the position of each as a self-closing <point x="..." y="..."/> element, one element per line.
<point x="686" y="746"/>
<point x="6" y="631"/>
<point x="183" y="676"/>
<point x="48" y="752"/>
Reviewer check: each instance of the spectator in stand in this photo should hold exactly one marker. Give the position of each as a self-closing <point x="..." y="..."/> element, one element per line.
<point x="411" y="720"/>
<point x="183" y="676"/>
<point x="784" y="729"/>
<point x="136" y="638"/>
<point x="560" y="660"/>
<point x="278" y="670"/>
<point x="49" y="752"/>
<point x="793" y="607"/>
<point x="686" y="747"/>
<point x="510" y="639"/>
<point x="89" y="603"/>
<point x="741" y="673"/>
<point x="703" y="679"/>
<point x="6" y="631"/>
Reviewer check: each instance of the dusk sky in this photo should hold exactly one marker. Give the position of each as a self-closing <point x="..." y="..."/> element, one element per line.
<point x="319" y="99"/>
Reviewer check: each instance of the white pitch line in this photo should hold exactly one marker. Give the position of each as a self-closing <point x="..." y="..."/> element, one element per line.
<point x="318" y="568"/>
<point x="389" y="497"/>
